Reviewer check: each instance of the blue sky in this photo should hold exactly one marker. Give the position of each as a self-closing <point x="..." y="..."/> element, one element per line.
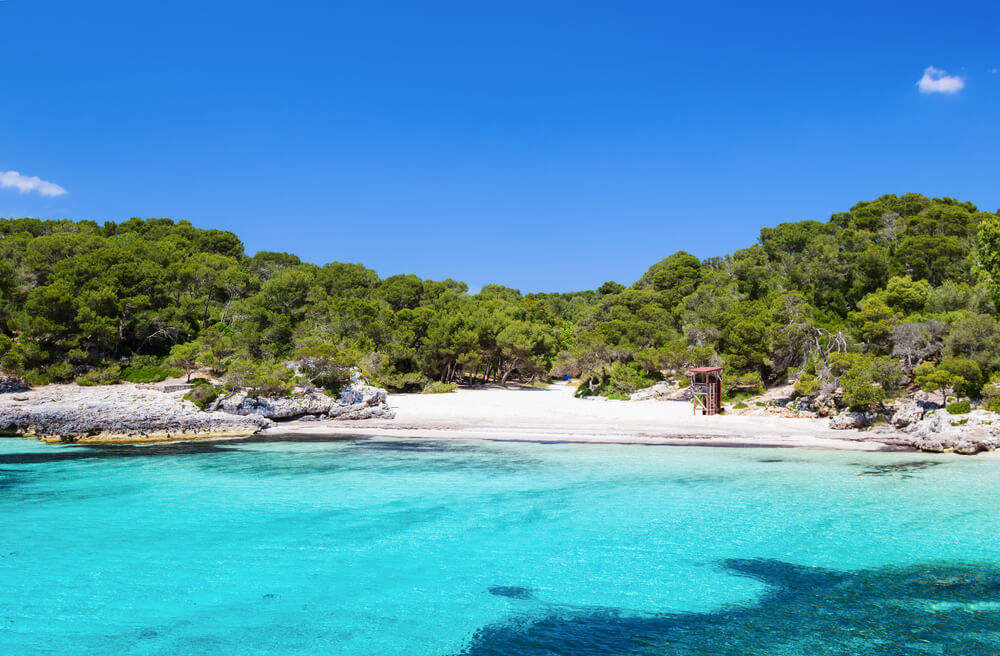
<point x="548" y="146"/>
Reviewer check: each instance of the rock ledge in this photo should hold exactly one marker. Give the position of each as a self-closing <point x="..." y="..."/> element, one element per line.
<point x="115" y="413"/>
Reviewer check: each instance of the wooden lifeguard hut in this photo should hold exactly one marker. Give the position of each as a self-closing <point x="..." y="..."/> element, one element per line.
<point x="706" y="390"/>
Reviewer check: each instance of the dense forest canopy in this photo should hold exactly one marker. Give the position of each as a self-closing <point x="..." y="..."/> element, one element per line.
<point x="895" y="288"/>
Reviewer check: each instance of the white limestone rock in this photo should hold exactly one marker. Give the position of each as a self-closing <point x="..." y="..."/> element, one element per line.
<point x="848" y="420"/>
<point x="908" y="414"/>
<point x="356" y="401"/>
<point x="115" y="413"/>
<point x="940" y="431"/>
<point x="657" y="392"/>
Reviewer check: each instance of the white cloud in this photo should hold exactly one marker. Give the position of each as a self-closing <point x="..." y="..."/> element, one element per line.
<point x="937" y="81"/>
<point x="24" y="184"/>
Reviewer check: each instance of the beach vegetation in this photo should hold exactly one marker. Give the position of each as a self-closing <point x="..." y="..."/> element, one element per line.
<point x="437" y="387"/>
<point x="746" y="385"/>
<point x="203" y="395"/>
<point x="185" y="356"/>
<point x="807" y="385"/>
<point x="109" y="375"/>
<point x="907" y="279"/>
<point x="959" y="408"/>
<point x="259" y="378"/>
<point x="932" y="378"/>
<point x="866" y="380"/>
<point x="147" y="369"/>
<point x="37" y="378"/>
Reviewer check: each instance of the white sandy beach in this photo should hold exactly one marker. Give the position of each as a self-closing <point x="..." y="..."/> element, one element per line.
<point x="554" y="414"/>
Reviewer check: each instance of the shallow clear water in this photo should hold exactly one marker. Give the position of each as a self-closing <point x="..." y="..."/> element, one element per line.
<point x="402" y="547"/>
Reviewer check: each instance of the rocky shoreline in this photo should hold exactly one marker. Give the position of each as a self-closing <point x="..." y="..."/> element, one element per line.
<point x="928" y="427"/>
<point x="129" y="413"/>
<point x="917" y="422"/>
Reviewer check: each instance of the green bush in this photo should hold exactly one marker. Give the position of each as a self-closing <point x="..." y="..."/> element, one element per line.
<point x="991" y="391"/>
<point x="36" y="378"/>
<point x="397" y="382"/>
<point x="107" y="376"/>
<point x="259" y="379"/>
<point x="807" y="385"/>
<point x="203" y="394"/>
<point x="12" y="363"/>
<point x="749" y="384"/>
<point x="623" y="379"/>
<point x="968" y="371"/>
<point x="866" y="380"/>
<point x="619" y="381"/>
<point x="740" y="406"/>
<point x="77" y="356"/>
<point x="140" y="361"/>
<point x="148" y="374"/>
<point x="437" y="387"/>
<point x="992" y="404"/>
<point x="958" y="407"/>
<point x="60" y="372"/>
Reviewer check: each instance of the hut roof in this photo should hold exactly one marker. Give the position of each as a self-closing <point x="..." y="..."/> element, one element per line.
<point x="704" y="370"/>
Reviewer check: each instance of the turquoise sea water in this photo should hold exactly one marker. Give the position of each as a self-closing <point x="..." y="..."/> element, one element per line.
<point x="381" y="546"/>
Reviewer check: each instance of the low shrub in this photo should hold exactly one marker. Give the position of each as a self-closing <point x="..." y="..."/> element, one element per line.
<point x="107" y="376"/>
<point x="958" y="407"/>
<point x="36" y="379"/>
<point x="203" y="394"/>
<point x="748" y="383"/>
<point x="60" y="372"/>
<point x="807" y="385"/>
<point x="396" y="382"/>
<point x="992" y="404"/>
<point x="740" y="406"/>
<point x="259" y="379"/>
<point x="620" y="380"/>
<point x="12" y="363"/>
<point x="148" y="374"/>
<point x="77" y="356"/>
<point x="865" y="380"/>
<point x="624" y="379"/>
<point x="436" y="387"/>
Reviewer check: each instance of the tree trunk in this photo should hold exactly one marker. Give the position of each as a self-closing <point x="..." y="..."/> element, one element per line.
<point x="229" y="303"/>
<point x="507" y="371"/>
